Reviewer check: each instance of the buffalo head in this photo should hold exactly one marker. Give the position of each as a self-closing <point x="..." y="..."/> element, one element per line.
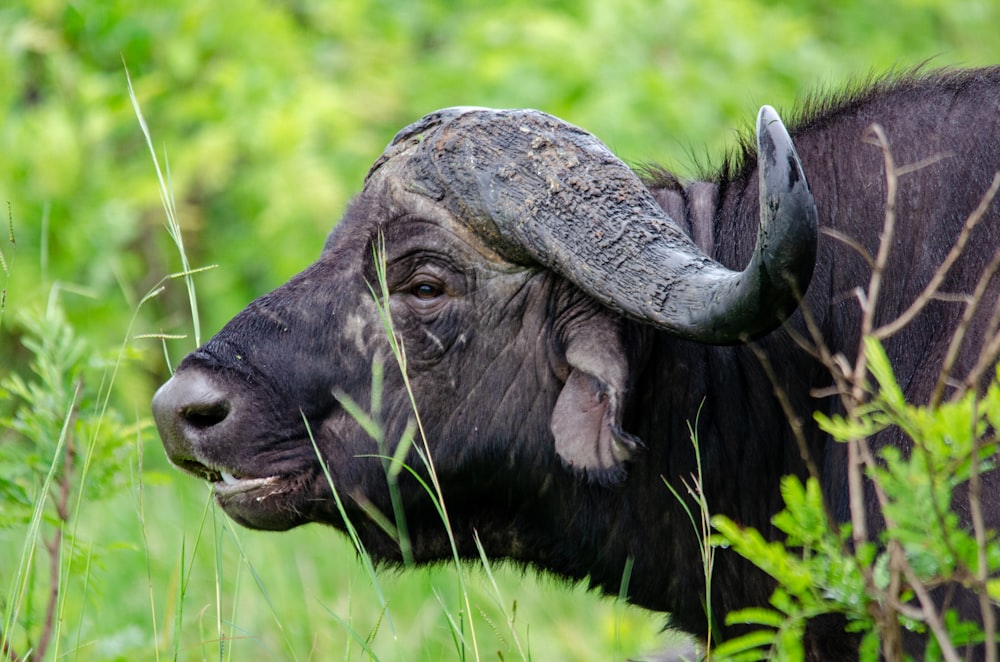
<point x="525" y="266"/>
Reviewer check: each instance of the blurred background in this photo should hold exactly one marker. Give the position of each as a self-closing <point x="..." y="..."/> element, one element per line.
<point x="266" y="116"/>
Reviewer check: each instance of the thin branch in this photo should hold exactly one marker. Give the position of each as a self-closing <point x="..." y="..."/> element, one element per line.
<point x="858" y="452"/>
<point x="55" y="545"/>
<point x="957" y="249"/>
<point x="987" y="358"/>
<point x="794" y="421"/>
<point x="986" y="355"/>
<point x="851" y="242"/>
<point x="930" y="615"/>
<point x="7" y="651"/>
<point x="979" y="531"/>
<point x="922" y="163"/>
<point x="868" y="300"/>
<point x="888" y="230"/>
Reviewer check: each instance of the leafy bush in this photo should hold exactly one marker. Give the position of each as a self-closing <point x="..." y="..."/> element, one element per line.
<point x="65" y="449"/>
<point x="883" y="588"/>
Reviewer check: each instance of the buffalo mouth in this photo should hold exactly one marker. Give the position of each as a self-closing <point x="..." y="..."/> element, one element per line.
<point x="257" y="502"/>
<point x="230" y="483"/>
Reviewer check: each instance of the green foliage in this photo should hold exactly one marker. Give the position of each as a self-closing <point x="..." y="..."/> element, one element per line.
<point x="61" y="448"/>
<point x="815" y="576"/>
<point x="820" y="569"/>
<point x="62" y="404"/>
<point x="265" y="117"/>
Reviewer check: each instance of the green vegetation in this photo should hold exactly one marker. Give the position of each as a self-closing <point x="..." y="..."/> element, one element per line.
<point x="264" y="118"/>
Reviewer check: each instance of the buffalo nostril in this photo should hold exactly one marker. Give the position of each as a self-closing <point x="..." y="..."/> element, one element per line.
<point x="205" y="414"/>
<point x="185" y="408"/>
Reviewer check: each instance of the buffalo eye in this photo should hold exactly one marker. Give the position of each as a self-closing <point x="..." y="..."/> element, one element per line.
<point x="426" y="290"/>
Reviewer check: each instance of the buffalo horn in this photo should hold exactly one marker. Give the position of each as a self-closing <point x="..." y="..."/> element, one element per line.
<point x="539" y="190"/>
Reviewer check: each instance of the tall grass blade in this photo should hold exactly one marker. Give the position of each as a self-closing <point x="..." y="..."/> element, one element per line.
<point x="3" y="262"/>
<point x="382" y="303"/>
<point x="217" y="548"/>
<point x="364" y="642"/>
<point x="259" y="581"/>
<point x="352" y="532"/>
<point x="141" y="511"/>
<point x="457" y="635"/>
<point x="498" y="598"/>
<point x="169" y="207"/>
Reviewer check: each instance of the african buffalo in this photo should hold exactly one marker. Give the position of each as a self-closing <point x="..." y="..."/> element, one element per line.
<point x="564" y="321"/>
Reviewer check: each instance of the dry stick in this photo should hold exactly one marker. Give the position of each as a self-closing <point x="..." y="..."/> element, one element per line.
<point x="987" y="357"/>
<point x="972" y="305"/>
<point x="988" y="354"/>
<point x="794" y="422"/>
<point x="868" y="300"/>
<point x="850" y="241"/>
<point x="837" y="365"/>
<point x="862" y="451"/>
<point x="972" y="302"/>
<point x="7" y="651"/>
<point x="982" y="560"/>
<point x="53" y="546"/>
<point x="843" y="374"/>
<point x="957" y="249"/>
<point x="857" y="452"/>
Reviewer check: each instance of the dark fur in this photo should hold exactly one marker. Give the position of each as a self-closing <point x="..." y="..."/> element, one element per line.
<point x="488" y="357"/>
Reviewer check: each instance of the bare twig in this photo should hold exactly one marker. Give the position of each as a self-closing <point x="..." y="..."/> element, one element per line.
<point x="850" y="382"/>
<point x="7" y="651"/>
<point x="988" y="353"/>
<point x="930" y="615"/>
<point x="794" y="421"/>
<point x="54" y="546"/>
<point x="868" y="300"/>
<point x="931" y="290"/>
<point x="859" y="452"/>
<point x="849" y="241"/>
<point x="979" y="531"/>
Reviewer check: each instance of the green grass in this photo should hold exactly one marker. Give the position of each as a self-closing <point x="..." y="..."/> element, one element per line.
<point x="310" y="585"/>
<point x="157" y="569"/>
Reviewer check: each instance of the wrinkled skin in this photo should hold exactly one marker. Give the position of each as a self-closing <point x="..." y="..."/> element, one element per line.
<point x="501" y="353"/>
<point x="451" y="298"/>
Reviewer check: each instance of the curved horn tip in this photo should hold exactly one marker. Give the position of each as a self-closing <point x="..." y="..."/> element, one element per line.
<point x="774" y="145"/>
<point x="788" y="214"/>
<point x="766" y="115"/>
<point x="781" y="170"/>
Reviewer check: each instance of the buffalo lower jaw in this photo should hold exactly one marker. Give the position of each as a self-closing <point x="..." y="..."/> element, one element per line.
<point x="230" y="484"/>
<point x="274" y="503"/>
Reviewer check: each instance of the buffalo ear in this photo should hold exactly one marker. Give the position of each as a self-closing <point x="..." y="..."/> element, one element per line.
<point x="586" y="419"/>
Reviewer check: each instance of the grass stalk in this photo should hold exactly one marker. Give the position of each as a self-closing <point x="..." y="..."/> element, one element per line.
<point x="169" y="208"/>
<point x="398" y="350"/>
<point x="352" y="532"/>
<point x="4" y="264"/>
<point x="702" y="525"/>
